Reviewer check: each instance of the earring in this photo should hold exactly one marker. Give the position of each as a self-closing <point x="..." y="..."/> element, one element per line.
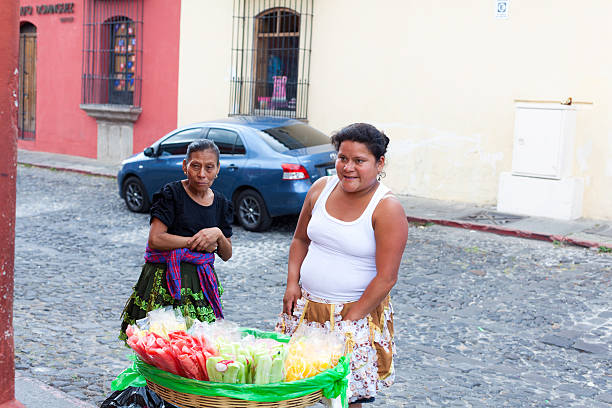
<point x="378" y="177"/>
<point x="216" y="175"/>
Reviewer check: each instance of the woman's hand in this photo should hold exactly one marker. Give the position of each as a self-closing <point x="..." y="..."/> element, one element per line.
<point x="292" y="294"/>
<point x="205" y="240"/>
<point x="353" y="316"/>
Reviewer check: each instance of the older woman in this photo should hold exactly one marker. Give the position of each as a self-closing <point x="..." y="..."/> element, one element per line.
<point x="190" y="222"/>
<point x="344" y="259"/>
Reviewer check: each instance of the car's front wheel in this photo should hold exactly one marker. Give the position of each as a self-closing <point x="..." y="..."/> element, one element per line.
<point x="135" y="196"/>
<point x="251" y="211"/>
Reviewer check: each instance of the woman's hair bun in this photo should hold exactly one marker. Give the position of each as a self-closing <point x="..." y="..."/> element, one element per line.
<point x="374" y="139"/>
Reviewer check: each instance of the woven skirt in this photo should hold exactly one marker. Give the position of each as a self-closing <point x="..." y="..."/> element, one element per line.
<point x="372" y="337"/>
<point x="151" y="292"/>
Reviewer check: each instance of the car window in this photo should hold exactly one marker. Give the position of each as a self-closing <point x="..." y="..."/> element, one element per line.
<point x="292" y="137"/>
<point x="224" y="139"/>
<point x="178" y="142"/>
<point x="239" y="146"/>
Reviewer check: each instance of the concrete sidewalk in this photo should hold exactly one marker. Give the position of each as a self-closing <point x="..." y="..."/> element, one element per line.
<point x="36" y="394"/>
<point x="583" y="232"/>
<point x="592" y="233"/>
<point x="67" y="163"/>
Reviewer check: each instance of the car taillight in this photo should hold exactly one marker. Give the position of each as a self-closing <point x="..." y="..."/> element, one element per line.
<point x="294" y="172"/>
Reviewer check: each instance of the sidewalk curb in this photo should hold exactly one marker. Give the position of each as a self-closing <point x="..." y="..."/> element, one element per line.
<point x="511" y="232"/>
<point x="33" y="393"/>
<point x="86" y="172"/>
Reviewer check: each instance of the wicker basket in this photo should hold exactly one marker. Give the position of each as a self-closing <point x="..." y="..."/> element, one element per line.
<point x="184" y="400"/>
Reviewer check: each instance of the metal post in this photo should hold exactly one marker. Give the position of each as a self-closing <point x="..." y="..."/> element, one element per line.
<point x="9" y="52"/>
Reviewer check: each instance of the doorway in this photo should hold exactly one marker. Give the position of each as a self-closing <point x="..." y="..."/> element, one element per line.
<point x="27" y="82"/>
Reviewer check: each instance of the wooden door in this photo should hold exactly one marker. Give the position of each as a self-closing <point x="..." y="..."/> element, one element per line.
<point x="27" y="82"/>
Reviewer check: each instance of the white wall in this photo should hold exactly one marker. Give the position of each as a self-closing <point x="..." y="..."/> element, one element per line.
<point x="440" y="78"/>
<point x="204" y="60"/>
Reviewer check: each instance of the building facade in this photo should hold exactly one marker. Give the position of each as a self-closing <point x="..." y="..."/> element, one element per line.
<point x="98" y="78"/>
<point x="450" y="84"/>
<point x="444" y="81"/>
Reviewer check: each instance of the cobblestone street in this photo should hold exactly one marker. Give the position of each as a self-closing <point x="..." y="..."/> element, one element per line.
<point x="481" y="320"/>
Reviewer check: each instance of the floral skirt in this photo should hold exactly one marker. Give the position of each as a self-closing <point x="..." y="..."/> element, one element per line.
<point x="151" y="292"/>
<point x="371" y="337"/>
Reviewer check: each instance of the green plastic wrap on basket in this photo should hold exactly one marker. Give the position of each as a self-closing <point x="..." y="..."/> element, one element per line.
<point x="130" y="377"/>
<point x="332" y="382"/>
<point x="283" y="338"/>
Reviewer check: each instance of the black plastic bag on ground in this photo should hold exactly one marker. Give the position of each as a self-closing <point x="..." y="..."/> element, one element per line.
<point x="135" y="397"/>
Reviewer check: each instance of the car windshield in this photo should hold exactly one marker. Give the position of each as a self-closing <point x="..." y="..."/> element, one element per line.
<point x="293" y="137"/>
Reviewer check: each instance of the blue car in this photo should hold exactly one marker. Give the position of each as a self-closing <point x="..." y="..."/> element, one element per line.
<point x="267" y="165"/>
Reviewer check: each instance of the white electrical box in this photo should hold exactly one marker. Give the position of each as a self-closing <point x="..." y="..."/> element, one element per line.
<point x="543" y="140"/>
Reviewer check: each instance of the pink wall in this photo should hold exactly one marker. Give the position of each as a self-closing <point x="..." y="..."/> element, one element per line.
<point x="160" y="72"/>
<point x="61" y="126"/>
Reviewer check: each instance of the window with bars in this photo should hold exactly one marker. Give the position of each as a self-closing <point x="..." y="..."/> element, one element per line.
<point x="112" y="52"/>
<point x="271" y="58"/>
<point x="26" y="120"/>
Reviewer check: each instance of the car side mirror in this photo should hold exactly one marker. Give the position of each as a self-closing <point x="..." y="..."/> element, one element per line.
<point x="149" y="152"/>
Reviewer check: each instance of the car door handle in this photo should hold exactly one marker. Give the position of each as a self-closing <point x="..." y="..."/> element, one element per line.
<point x="232" y="167"/>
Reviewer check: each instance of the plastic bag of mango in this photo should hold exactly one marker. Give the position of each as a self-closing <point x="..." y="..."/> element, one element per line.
<point x="311" y="351"/>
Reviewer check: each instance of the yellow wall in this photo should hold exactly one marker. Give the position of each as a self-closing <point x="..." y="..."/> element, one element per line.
<point x="440" y="78"/>
<point x="204" y="60"/>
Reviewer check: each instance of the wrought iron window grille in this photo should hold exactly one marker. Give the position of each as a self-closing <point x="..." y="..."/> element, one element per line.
<point x="271" y="48"/>
<point x="112" y="52"/>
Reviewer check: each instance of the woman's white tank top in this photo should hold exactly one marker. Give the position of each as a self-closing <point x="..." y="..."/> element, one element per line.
<point x="341" y="258"/>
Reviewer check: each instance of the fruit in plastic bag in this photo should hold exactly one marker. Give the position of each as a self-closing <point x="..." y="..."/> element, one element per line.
<point x="224" y="370"/>
<point x="263" y="365"/>
<point x="209" y="352"/>
<point x="312" y="350"/>
<point x="260" y="361"/>
<point x="165" y="320"/>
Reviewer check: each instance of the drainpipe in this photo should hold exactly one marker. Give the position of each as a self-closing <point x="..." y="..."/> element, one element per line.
<point x="9" y="52"/>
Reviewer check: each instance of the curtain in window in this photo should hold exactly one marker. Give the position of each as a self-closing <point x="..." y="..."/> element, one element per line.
<point x="271" y="57"/>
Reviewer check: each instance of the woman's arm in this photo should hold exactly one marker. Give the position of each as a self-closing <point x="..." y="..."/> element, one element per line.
<point x="206" y="240"/>
<point x="161" y="240"/>
<point x="224" y="247"/>
<point x="210" y="239"/>
<point x="391" y="233"/>
<point x="299" y="247"/>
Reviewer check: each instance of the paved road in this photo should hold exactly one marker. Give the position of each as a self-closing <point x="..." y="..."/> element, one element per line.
<point x="481" y="320"/>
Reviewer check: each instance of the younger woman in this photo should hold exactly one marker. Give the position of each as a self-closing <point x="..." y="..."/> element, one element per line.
<point x="344" y="259"/>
